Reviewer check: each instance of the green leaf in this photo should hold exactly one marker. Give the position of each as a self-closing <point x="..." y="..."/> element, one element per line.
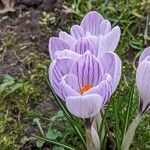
<point x="57" y="148"/>
<point x="53" y="134"/>
<point x="8" y="81"/>
<point x="40" y="143"/>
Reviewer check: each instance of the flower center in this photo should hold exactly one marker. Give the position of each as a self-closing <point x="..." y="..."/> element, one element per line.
<point x="85" y="88"/>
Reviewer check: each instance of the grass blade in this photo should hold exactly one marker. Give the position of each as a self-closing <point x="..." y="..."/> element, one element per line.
<point x="54" y="142"/>
<point x="67" y="113"/>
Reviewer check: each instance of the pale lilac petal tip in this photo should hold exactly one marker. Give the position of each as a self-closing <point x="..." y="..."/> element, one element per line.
<point x="91" y="23"/>
<point x="66" y="37"/>
<point x="105" y="27"/>
<point x="86" y="106"/>
<point x="56" y="44"/>
<point x="144" y="54"/>
<point x="110" y="40"/>
<point x="67" y="54"/>
<point x="77" y="31"/>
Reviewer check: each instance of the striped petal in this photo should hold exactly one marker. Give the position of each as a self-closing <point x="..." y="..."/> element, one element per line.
<point x="110" y="40"/>
<point x="82" y="45"/>
<point x="77" y="31"/>
<point x="69" y="86"/>
<point x="57" y="70"/>
<point x="67" y="54"/>
<point x="105" y="27"/>
<point x="56" y="44"/>
<point x="104" y="88"/>
<point x="67" y="38"/>
<point x="143" y="85"/>
<point x="91" y="23"/>
<point x="112" y="65"/>
<point x="88" y="70"/>
<point x="144" y="54"/>
<point x="86" y="106"/>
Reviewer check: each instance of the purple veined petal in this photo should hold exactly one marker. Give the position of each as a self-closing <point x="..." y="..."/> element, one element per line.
<point x="69" y="86"/>
<point x="104" y="88"/>
<point x="142" y="82"/>
<point x="144" y="54"/>
<point x="88" y="70"/>
<point x="82" y="45"/>
<point x="67" y="38"/>
<point x="112" y="65"/>
<point x="57" y="69"/>
<point x="86" y="106"/>
<point x="91" y="23"/>
<point x="56" y="44"/>
<point x="105" y="27"/>
<point x="110" y="40"/>
<point x="77" y="31"/>
<point x="94" y="40"/>
<point x="67" y="54"/>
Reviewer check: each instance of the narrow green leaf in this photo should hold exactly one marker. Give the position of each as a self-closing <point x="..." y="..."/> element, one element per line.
<point x="66" y="113"/>
<point x="54" y="142"/>
<point x="127" y="140"/>
<point x="128" y="110"/>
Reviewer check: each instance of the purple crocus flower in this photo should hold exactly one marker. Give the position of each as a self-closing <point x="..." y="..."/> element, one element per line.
<point x="143" y="80"/>
<point x="94" y="33"/>
<point x="85" y="83"/>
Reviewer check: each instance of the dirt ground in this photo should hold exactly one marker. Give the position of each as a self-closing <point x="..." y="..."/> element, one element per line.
<point x="24" y="43"/>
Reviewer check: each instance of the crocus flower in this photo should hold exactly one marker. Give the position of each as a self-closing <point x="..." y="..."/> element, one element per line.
<point x="85" y="83"/>
<point x="143" y="80"/>
<point x="94" y="33"/>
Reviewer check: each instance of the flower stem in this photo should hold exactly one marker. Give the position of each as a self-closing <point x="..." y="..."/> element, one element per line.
<point x="89" y="141"/>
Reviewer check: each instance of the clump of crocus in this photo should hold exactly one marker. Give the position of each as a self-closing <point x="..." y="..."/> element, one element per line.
<point x="84" y="71"/>
<point x="94" y="33"/>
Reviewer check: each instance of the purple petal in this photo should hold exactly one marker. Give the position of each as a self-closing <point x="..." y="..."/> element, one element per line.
<point x="69" y="86"/>
<point x="77" y="31"/>
<point x="88" y="70"/>
<point x="82" y="45"/>
<point x="66" y="37"/>
<point x="56" y="44"/>
<point x="57" y="70"/>
<point x="105" y="27"/>
<point x="91" y="23"/>
<point x="144" y="54"/>
<point x="67" y="54"/>
<point x="86" y="106"/>
<point x="112" y="65"/>
<point x="142" y="81"/>
<point x="104" y="88"/>
<point x="110" y="40"/>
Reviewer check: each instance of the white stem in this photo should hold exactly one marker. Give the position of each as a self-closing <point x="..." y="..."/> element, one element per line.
<point x="130" y="133"/>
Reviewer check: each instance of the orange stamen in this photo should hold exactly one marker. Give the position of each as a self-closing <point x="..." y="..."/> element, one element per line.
<point x="85" y="88"/>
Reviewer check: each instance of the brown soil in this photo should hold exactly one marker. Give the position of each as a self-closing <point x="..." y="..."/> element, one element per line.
<point x="21" y="36"/>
